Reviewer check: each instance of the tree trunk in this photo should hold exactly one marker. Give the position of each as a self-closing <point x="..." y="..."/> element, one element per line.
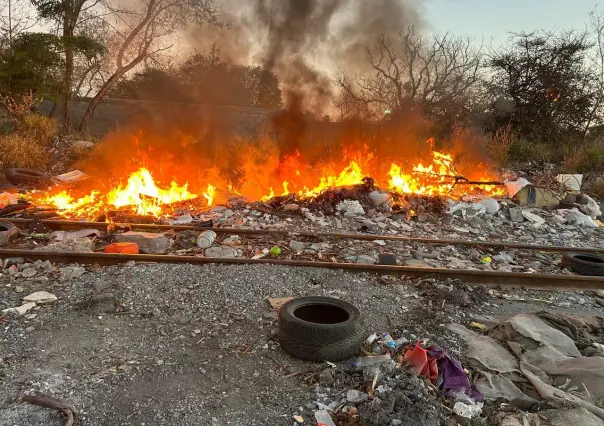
<point x="97" y="98"/>
<point x="68" y="78"/>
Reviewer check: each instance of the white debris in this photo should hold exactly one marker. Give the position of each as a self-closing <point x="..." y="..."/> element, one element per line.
<point x="350" y="208"/>
<point x="380" y="200"/>
<point x="533" y="217"/>
<point x="575" y="217"/>
<point x="467" y="410"/>
<point x="513" y="187"/>
<point x="73" y="235"/>
<point x="572" y="182"/>
<point x="40" y="298"/>
<point x="491" y="205"/>
<point x="354" y="396"/>
<point x="19" y="310"/>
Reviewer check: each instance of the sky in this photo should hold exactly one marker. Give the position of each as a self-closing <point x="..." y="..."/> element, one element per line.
<point x="491" y="20"/>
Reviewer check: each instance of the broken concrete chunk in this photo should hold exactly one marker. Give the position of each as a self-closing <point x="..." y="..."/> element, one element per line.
<point x="221" y="252"/>
<point x="365" y="259"/>
<point x="71" y="272"/>
<point x="296" y="245"/>
<point x="28" y="273"/>
<point x="516" y="215"/>
<point x="148" y="242"/>
<point x="350" y="208"/>
<point x="40" y="298"/>
<point x="533" y="217"/>
<point x="20" y="310"/>
<point x="73" y="235"/>
<point x="79" y="245"/>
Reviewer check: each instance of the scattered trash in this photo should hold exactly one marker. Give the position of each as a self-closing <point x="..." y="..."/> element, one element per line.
<point x="275" y="251"/>
<point x="575" y="217"/>
<point x="221" y="252"/>
<point x="380" y="200"/>
<point x="323" y="418"/>
<point x="491" y="206"/>
<point x="47" y="401"/>
<point x="129" y="248"/>
<point x="479" y="326"/>
<point x="206" y="239"/>
<point x="72" y="177"/>
<point x="296" y="246"/>
<point x="486" y="260"/>
<point x="8" y="232"/>
<point x="360" y="363"/>
<point x="468" y="411"/>
<point x="572" y="182"/>
<point x="299" y="419"/>
<point x="513" y="187"/>
<point x="148" y="242"/>
<point x="233" y="241"/>
<point x="539" y="197"/>
<point x="386" y="259"/>
<point x="588" y="264"/>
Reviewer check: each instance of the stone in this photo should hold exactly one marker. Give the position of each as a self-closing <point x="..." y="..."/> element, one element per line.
<point x="380" y="242"/>
<point x="516" y="215"/>
<point x="148" y="242"/>
<point x="10" y="261"/>
<point x="73" y="235"/>
<point x="184" y="219"/>
<point x="19" y="289"/>
<point x="9" y="235"/>
<point x="233" y="240"/>
<point x="491" y="206"/>
<point x="79" y="245"/>
<point x="503" y="258"/>
<point x="291" y="207"/>
<point x="416" y="263"/>
<point x="386" y="259"/>
<point x="13" y="270"/>
<point x="28" y="273"/>
<point x="600" y="293"/>
<point x="380" y="200"/>
<point x="40" y="298"/>
<point x="71" y="272"/>
<point x="365" y="259"/>
<point x="354" y="396"/>
<point x="296" y="245"/>
<point x="82" y="144"/>
<point x="46" y="266"/>
<point x="350" y="208"/>
<point x="533" y="217"/>
<point x="20" y="310"/>
<point x="326" y="377"/>
<point x="221" y="252"/>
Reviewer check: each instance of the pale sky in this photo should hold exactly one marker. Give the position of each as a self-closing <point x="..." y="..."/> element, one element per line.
<point x="491" y="19"/>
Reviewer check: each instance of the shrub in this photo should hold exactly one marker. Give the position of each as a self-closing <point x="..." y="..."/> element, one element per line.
<point x="527" y="150"/>
<point x="584" y="158"/>
<point x="37" y="128"/>
<point x="501" y="145"/>
<point x="18" y="151"/>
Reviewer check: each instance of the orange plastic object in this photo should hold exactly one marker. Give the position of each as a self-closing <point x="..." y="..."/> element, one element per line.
<point x="129" y="248"/>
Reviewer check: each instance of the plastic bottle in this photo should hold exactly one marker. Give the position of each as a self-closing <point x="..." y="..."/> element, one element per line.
<point x="388" y="341"/>
<point x="206" y="239"/>
<point x="366" y="361"/>
<point x="323" y="418"/>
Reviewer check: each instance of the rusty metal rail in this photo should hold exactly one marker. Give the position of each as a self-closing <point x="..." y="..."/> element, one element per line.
<point x="490" y="278"/>
<point x="67" y="225"/>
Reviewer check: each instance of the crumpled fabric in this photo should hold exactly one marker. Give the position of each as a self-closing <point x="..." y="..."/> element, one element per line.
<point x="443" y="371"/>
<point x="417" y="360"/>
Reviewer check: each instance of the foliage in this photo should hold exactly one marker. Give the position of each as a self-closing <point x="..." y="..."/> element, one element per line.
<point x="501" y="145"/>
<point x="37" y="127"/>
<point x="523" y="150"/>
<point x="541" y="85"/>
<point x="204" y="78"/>
<point x="19" y="151"/>
<point x="32" y="63"/>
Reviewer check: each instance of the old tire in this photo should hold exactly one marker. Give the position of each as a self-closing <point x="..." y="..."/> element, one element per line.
<point x="584" y="263"/>
<point x="25" y="177"/>
<point x="316" y="328"/>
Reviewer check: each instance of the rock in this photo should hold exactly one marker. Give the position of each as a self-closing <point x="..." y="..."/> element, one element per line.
<point x="102" y="304"/>
<point x="80" y="245"/>
<point x="221" y="252"/>
<point x="350" y="208"/>
<point x="19" y="289"/>
<point x="40" y="298"/>
<point x="20" y="310"/>
<point x="380" y="200"/>
<point x="9" y="235"/>
<point x="28" y="273"/>
<point x="417" y="255"/>
<point x="148" y="242"/>
<point x="516" y="215"/>
<point x="467" y="411"/>
<point x="10" y="261"/>
<point x="491" y="205"/>
<point x="533" y="217"/>
<point x="46" y="266"/>
<point x="184" y="219"/>
<point x="13" y="270"/>
<point x="296" y="245"/>
<point x="73" y="235"/>
<point x="416" y="263"/>
<point x="82" y="144"/>
<point x="365" y="259"/>
<point x="327" y="377"/>
<point x="600" y="293"/>
<point x="386" y="259"/>
<point x="291" y="207"/>
<point x="71" y="272"/>
<point x="380" y="242"/>
<point x="503" y="258"/>
<point x="233" y="240"/>
<point x="354" y="396"/>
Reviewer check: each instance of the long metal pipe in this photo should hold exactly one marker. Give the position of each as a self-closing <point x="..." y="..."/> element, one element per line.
<point x="67" y="225"/>
<point x="490" y="278"/>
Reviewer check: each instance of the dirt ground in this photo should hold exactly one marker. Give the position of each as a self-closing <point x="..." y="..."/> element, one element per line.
<point x="146" y="344"/>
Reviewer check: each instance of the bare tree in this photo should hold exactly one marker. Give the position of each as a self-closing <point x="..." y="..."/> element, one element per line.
<point x="596" y="64"/>
<point x="15" y="18"/>
<point x="143" y="30"/>
<point x="416" y="71"/>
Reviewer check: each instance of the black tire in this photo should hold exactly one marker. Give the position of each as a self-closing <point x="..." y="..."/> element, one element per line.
<point x="6" y="226"/>
<point x="316" y="328"/>
<point x="25" y="177"/>
<point x="584" y="263"/>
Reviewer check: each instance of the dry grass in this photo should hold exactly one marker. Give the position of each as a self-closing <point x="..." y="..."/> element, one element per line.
<point x="38" y="128"/>
<point x="501" y="146"/>
<point x="19" y="151"/>
<point x="584" y="158"/>
<point x="77" y="153"/>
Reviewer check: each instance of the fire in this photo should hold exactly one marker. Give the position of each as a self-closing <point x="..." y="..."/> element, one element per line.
<point x="139" y="193"/>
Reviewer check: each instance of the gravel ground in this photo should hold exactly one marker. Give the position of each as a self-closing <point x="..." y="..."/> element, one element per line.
<point x="150" y="344"/>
